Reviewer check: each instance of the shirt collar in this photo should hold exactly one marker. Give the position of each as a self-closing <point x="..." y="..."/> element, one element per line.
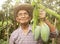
<point x="29" y="28"/>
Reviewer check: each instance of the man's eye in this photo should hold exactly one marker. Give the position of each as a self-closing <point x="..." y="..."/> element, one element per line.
<point x="25" y="13"/>
<point x="19" y="14"/>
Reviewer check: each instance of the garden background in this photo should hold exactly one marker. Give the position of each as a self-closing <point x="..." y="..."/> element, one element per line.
<point x="8" y="23"/>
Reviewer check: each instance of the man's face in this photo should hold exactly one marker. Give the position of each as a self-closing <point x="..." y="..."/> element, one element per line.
<point x="23" y="17"/>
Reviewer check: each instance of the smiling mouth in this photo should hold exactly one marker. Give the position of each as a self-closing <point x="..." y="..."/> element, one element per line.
<point x="22" y="19"/>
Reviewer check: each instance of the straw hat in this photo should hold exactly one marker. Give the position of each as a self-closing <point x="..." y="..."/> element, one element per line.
<point x="28" y="7"/>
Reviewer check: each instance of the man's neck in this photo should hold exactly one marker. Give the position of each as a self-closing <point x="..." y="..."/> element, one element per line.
<point x="24" y="26"/>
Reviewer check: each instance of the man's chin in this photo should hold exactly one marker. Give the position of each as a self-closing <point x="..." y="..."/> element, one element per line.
<point x="23" y="22"/>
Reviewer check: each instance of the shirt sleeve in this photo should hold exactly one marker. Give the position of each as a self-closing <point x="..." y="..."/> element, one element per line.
<point x="13" y="37"/>
<point x="11" y="40"/>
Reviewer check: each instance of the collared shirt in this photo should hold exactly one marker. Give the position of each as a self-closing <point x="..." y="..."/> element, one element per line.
<point x="18" y="37"/>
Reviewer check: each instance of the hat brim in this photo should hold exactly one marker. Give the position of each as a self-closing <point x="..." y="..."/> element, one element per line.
<point x="27" y="7"/>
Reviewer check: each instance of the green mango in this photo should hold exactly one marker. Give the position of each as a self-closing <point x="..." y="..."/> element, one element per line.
<point x="45" y="32"/>
<point x="37" y="32"/>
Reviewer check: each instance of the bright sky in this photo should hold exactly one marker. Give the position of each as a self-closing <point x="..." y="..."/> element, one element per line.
<point x="2" y="2"/>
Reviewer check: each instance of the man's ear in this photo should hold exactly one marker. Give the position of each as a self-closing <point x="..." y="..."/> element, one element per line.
<point x="17" y="19"/>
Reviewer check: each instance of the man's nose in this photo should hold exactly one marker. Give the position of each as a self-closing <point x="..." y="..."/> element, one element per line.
<point x="23" y="15"/>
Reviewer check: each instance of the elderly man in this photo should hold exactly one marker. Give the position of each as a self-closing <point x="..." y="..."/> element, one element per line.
<point x="23" y="34"/>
